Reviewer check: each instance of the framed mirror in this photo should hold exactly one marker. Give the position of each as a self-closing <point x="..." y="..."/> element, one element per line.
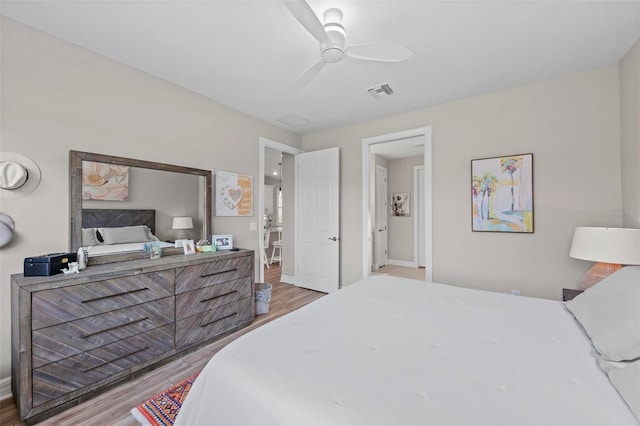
<point x="143" y="193"/>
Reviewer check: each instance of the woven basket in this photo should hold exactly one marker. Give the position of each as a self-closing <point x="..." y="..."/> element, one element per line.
<point x="263" y="297"/>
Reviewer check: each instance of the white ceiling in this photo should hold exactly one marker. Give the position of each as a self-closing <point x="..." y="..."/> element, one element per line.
<point x="246" y="54"/>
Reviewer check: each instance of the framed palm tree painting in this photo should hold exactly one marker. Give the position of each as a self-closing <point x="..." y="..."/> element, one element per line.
<point x="502" y="194"/>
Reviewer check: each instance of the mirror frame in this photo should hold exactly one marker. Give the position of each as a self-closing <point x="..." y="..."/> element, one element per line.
<point x="75" y="195"/>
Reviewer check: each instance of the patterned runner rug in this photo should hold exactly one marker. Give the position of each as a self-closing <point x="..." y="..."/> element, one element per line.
<point x="162" y="409"/>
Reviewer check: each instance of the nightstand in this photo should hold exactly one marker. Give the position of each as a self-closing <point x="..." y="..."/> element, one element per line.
<point x="569" y="293"/>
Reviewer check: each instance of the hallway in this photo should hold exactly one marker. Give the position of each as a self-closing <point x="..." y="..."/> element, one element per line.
<point x="401" y="271"/>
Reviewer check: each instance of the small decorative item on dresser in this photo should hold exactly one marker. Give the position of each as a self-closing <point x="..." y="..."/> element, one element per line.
<point x="569" y="293"/>
<point x="204" y="246"/>
<point x="82" y="257"/>
<point x="154" y="249"/>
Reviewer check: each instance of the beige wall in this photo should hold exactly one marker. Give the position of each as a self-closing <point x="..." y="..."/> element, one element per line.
<point x="401" y="234"/>
<point x="570" y="124"/>
<point x="630" y="136"/>
<point x="58" y="97"/>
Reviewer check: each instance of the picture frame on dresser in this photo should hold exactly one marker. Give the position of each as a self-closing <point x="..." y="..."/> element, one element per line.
<point x="189" y="247"/>
<point x="222" y="242"/>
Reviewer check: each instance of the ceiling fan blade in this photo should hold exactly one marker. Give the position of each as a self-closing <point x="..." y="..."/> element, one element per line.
<point x="383" y="52"/>
<point x="303" y="13"/>
<point x="308" y="75"/>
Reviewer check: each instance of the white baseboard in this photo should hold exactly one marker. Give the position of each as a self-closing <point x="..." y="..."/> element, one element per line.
<point x="288" y="279"/>
<point x="407" y="263"/>
<point x="375" y="267"/>
<point x="5" y="388"/>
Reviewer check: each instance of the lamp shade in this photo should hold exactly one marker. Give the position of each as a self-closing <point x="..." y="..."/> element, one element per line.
<point x="184" y="222"/>
<point x="607" y="245"/>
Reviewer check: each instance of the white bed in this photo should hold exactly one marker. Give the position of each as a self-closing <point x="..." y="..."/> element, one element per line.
<point x="114" y="231"/>
<point x="393" y="351"/>
<point x="105" y="249"/>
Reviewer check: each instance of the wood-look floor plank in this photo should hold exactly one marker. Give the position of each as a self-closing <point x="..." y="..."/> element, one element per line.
<point x="112" y="407"/>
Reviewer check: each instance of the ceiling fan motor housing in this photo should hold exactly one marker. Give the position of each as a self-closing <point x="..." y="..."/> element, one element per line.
<point x="334" y="51"/>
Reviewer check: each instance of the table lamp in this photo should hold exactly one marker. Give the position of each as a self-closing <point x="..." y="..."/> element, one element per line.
<point x="610" y="248"/>
<point x="182" y="224"/>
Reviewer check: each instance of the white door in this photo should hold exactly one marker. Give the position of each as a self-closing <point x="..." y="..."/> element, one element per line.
<point x="318" y="220"/>
<point x="420" y="212"/>
<point x="381" y="216"/>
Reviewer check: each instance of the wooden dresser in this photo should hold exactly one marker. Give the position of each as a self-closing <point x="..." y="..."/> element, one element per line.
<point x="73" y="335"/>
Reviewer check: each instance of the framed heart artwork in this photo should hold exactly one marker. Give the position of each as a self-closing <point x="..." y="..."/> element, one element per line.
<point x="234" y="194"/>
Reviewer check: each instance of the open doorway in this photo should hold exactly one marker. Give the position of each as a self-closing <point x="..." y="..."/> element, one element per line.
<point x="276" y="207"/>
<point x="397" y="237"/>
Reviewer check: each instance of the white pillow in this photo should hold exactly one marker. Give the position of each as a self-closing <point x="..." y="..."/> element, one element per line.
<point x="89" y="237"/>
<point x="126" y="234"/>
<point x="610" y="314"/>
<point x="627" y="381"/>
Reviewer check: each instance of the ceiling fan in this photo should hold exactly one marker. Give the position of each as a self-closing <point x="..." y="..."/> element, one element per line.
<point x="331" y="36"/>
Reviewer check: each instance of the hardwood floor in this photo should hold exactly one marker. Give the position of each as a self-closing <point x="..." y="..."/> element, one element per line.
<point x="402" y="271"/>
<point x="112" y="407"/>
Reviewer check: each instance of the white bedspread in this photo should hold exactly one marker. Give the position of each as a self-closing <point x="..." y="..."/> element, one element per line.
<point x="393" y="351"/>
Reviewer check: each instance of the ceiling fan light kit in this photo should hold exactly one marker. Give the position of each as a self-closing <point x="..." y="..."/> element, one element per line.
<point x="331" y="35"/>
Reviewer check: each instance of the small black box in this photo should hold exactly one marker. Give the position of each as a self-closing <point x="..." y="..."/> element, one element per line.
<point x="47" y="264"/>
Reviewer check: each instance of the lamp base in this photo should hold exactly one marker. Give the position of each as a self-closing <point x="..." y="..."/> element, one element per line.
<point x="182" y="234"/>
<point x="597" y="273"/>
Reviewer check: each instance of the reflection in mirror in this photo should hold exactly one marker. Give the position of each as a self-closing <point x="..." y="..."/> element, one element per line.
<point x="142" y="193"/>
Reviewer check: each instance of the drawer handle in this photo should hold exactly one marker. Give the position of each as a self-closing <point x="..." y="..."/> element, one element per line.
<point x="218" y="273"/>
<point x="115" y="359"/>
<point x="219" y="319"/>
<point x="115" y="295"/>
<point x="114" y="327"/>
<point x="217" y="297"/>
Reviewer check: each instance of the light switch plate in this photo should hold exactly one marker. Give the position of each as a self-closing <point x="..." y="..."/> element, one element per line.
<point x="253" y="226"/>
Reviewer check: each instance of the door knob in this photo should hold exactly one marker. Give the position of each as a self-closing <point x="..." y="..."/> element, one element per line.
<point x="333" y="239"/>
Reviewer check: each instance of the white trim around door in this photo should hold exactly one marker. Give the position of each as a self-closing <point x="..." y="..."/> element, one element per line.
<point x="418" y="250"/>
<point x="424" y="132"/>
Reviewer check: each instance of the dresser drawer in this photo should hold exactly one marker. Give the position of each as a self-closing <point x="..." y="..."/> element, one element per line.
<point x="194" y="302"/>
<point x="61" y="341"/>
<point x="209" y="324"/>
<point x="73" y="373"/>
<point x="60" y="305"/>
<point x="207" y="274"/>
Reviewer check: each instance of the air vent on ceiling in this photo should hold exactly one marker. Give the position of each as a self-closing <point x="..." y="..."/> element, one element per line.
<point x="380" y="91"/>
<point x="293" y="120"/>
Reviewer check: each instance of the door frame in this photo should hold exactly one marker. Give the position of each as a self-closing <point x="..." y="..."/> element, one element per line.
<point x="278" y="146"/>
<point x="424" y="132"/>
<point x="376" y="259"/>
<point x="416" y="221"/>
